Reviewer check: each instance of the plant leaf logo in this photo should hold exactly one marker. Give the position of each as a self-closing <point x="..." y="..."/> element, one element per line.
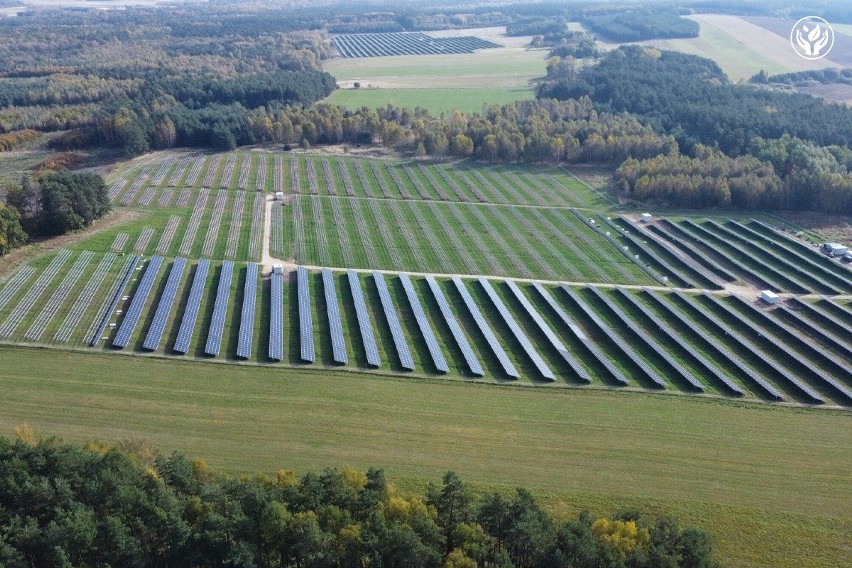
<point x="812" y="37"/>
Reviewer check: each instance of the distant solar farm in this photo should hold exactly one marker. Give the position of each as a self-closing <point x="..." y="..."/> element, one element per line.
<point x="405" y="43"/>
<point x="500" y="274"/>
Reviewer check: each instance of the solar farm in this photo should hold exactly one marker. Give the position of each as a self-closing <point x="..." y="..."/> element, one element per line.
<point x="405" y="43"/>
<point x="507" y="275"/>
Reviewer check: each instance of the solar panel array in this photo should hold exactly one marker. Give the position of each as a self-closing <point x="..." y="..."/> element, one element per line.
<point x="719" y="347"/>
<point x="131" y="317"/>
<point x="220" y="310"/>
<point x="423" y="323"/>
<point x="367" y="337"/>
<point x="306" y="324"/>
<point x="674" y="336"/>
<point x="193" y="304"/>
<point x="338" y="342"/>
<point x="485" y="329"/>
<point x="164" y="308"/>
<point x="109" y="306"/>
<point x="551" y="336"/>
<point x="15" y="283"/>
<point x="516" y="330"/>
<point x="84" y="299"/>
<point x="249" y="309"/>
<point x="649" y="341"/>
<point x="616" y="339"/>
<point x="402" y="350"/>
<point x="587" y="343"/>
<point x="59" y="295"/>
<point x="33" y="294"/>
<point x="276" y="317"/>
<point x="461" y="339"/>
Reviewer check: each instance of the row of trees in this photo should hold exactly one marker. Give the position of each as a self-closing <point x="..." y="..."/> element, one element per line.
<point x="641" y="24"/>
<point x="64" y="505"/>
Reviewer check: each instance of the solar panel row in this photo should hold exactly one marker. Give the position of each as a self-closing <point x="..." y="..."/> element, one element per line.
<point x="246" y="334"/>
<point x="15" y="283"/>
<point x="649" y="341"/>
<point x="366" y="328"/>
<point x="220" y="310"/>
<point x="485" y="329"/>
<point x="33" y="294"/>
<point x="423" y="323"/>
<point x="587" y="343"/>
<point x="405" y="359"/>
<point x="788" y="373"/>
<point x="615" y="338"/>
<point x="193" y="304"/>
<point x="674" y="336"/>
<point x="516" y="330"/>
<point x="276" y="317"/>
<point x="551" y="336"/>
<point x="306" y="324"/>
<point x="338" y="343"/>
<point x="58" y="297"/>
<point x="84" y="299"/>
<point x="164" y="308"/>
<point x="461" y="340"/>
<point x="109" y="308"/>
<point x="131" y="317"/>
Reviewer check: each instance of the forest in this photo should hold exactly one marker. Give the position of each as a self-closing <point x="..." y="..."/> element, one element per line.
<point x="129" y="506"/>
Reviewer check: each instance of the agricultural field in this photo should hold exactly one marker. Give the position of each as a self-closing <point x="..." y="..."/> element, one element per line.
<point x="441" y="83"/>
<point x="767" y="497"/>
<point x="743" y="46"/>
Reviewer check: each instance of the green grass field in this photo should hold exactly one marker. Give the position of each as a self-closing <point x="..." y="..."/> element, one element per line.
<point x="770" y="483"/>
<point x="435" y="100"/>
<point x="439" y="83"/>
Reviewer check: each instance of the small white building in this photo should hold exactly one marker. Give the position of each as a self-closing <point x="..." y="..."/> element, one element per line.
<point x="769" y="296"/>
<point x="279" y="196"/>
<point x="277" y="269"/>
<point x="834" y="249"/>
<point x="647" y="217"/>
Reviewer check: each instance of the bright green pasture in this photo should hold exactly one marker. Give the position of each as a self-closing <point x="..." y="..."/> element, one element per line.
<point x="771" y="484"/>
<point x="435" y="100"/>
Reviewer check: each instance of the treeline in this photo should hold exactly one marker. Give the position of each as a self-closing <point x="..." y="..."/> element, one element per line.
<point x="641" y="24"/>
<point x="804" y="78"/>
<point x="691" y="98"/>
<point x="55" y="203"/>
<point x="64" y="505"/>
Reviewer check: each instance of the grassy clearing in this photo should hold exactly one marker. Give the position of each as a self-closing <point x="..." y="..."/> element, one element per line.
<point x="767" y="497"/>
<point x="435" y="100"/>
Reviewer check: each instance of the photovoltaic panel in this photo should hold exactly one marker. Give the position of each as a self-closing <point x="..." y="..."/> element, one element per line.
<point x="338" y="344"/>
<point x="423" y="323"/>
<point x="276" y="317"/>
<point x="247" y="316"/>
<point x="306" y="323"/>
<point x="103" y="320"/>
<point x="193" y="304"/>
<point x="485" y="329"/>
<point x="455" y="328"/>
<point x="131" y="317"/>
<point x="364" y="324"/>
<point x="402" y="350"/>
<point x="548" y="332"/>
<point x="616" y="339"/>
<point x="220" y="310"/>
<point x="590" y="346"/>
<point x="516" y="330"/>
<point x="164" y="308"/>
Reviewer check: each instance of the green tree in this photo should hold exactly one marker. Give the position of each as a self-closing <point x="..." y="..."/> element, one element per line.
<point x="12" y="235"/>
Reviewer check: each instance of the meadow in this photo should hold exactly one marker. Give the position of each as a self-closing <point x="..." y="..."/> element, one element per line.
<point x="441" y="83"/>
<point x="733" y="468"/>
